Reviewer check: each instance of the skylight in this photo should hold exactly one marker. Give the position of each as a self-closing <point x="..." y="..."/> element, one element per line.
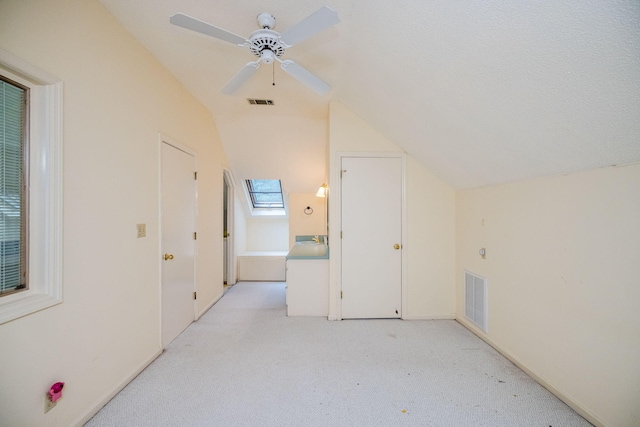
<point x="265" y="193"/>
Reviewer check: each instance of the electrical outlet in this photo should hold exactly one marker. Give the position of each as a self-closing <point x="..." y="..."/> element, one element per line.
<point x="142" y="230"/>
<point x="48" y="404"/>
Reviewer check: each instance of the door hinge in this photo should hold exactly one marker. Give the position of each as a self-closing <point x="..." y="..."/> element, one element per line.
<point x="340" y="294"/>
<point x="195" y="295"/>
<point x="341" y="234"/>
<point x="195" y="236"/>
<point x="195" y="175"/>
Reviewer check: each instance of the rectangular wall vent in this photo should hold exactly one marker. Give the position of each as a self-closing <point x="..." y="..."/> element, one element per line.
<point x="260" y="101"/>
<point x="475" y="290"/>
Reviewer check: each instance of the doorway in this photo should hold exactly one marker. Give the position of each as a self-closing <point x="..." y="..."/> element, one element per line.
<point x="371" y="243"/>
<point x="229" y="259"/>
<point x="178" y="226"/>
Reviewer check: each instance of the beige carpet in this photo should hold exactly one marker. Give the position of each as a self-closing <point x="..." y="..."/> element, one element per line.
<point x="244" y="363"/>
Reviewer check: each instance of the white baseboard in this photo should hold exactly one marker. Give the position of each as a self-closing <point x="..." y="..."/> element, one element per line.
<point x="435" y="317"/>
<point x="580" y="409"/>
<point x="87" y="415"/>
<point x="211" y="304"/>
<point x="93" y="409"/>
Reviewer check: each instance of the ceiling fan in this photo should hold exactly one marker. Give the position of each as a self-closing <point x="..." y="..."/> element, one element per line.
<point x="268" y="45"/>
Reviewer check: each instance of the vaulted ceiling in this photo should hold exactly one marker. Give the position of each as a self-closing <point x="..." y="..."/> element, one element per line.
<point x="479" y="93"/>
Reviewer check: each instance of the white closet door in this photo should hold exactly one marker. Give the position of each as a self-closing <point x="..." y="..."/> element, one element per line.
<point x="178" y="245"/>
<point x="371" y="193"/>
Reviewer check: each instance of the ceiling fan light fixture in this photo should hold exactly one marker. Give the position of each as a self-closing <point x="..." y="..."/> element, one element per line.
<point x="267" y="56"/>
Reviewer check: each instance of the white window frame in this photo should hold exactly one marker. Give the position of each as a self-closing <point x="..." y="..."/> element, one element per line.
<point x="45" y="192"/>
<point x="265" y="212"/>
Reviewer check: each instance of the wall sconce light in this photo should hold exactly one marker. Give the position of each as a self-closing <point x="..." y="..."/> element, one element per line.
<point x="322" y="191"/>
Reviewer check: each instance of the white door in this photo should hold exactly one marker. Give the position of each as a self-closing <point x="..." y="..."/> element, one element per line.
<point x="178" y="201"/>
<point x="229" y="272"/>
<point x="371" y="264"/>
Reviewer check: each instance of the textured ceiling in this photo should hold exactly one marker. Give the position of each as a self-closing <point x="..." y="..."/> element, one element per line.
<point x="480" y="93"/>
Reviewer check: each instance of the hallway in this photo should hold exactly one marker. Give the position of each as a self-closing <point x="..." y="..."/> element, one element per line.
<point x="244" y="363"/>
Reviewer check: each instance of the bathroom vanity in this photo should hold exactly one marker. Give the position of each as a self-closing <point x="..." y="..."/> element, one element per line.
<point x="307" y="277"/>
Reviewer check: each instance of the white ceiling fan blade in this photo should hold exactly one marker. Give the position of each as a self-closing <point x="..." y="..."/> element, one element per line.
<point x="305" y="77"/>
<point x="241" y="76"/>
<point x="318" y="21"/>
<point x="193" y="24"/>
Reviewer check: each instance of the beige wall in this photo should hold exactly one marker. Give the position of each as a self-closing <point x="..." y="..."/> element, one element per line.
<point x="282" y="146"/>
<point x="562" y="252"/>
<point x="563" y="282"/>
<point x="430" y="203"/>
<point x="302" y="224"/>
<point x="430" y="245"/>
<point x="259" y="232"/>
<point x="117" y="98"/>
<point x="239" y="225"/>
<point x="267" y="234"/>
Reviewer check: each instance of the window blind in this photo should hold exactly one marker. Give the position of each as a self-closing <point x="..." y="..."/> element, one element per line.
<point x="12" y="198"/>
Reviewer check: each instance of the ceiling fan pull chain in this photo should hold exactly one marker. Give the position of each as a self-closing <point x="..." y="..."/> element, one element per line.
<point x="273" y="74"/>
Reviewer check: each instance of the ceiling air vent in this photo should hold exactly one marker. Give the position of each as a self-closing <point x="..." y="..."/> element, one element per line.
<point x="260" y="101"/>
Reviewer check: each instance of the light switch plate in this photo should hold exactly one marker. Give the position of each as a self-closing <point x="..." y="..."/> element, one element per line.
<point x="142" y="230"/>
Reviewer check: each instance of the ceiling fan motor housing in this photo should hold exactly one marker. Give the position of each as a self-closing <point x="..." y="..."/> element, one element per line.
<point x="266" y="39"/>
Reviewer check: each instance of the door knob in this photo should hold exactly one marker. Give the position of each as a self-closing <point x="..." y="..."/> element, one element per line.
<point x="396" y="246"/>
<point x="168" y="256"/>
